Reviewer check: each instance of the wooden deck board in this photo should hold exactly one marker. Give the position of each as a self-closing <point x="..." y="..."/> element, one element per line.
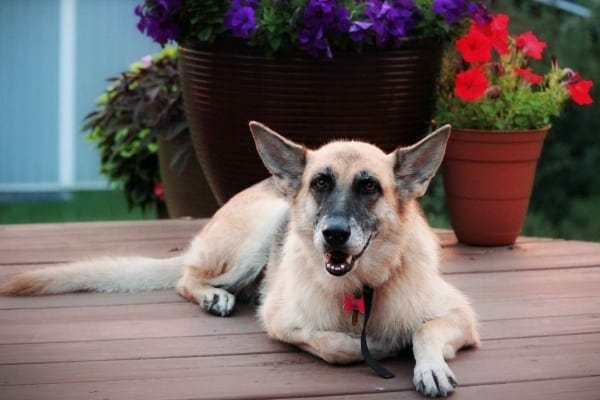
<point x="525" y="255"/>
<point x="553" y="389"/>
<point x="90" y="299"/>
<point x="296" y="374"/>
<point x="538" y="301"/>
<point x="139" y="349"/>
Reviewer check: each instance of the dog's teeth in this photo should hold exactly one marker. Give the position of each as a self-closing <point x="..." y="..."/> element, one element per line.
<point x="337" y="263"/>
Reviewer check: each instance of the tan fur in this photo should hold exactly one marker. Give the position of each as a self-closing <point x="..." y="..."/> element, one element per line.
<point x="301" y="301"/>
<point x="24" y="286"/>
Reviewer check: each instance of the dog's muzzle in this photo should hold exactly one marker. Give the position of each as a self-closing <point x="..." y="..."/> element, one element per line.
<point x="338" y="263"/>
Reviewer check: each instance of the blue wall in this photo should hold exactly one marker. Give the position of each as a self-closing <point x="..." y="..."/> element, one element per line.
<point x="107" y="41"/>
<point x="28" y="90"/>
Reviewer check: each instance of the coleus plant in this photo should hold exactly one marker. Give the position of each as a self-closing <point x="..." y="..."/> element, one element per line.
<point x="314" y="27"/>
<point x="488" y="82"/>
<point x="140" y="104"/>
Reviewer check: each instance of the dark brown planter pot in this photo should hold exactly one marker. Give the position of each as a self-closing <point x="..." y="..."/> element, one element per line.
<point x="187" y="193"/>
<point x="384" y="97"/>
<point x="488" y="177"/>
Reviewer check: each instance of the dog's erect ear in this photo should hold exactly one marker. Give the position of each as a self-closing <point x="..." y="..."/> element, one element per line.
<point x="284" y="159"/>
<point x="416" y="165"/>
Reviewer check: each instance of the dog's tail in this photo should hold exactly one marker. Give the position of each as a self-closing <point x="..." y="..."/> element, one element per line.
<point x="109" y="274"/>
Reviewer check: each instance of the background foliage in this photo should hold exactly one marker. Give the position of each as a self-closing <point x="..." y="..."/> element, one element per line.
<point x="566" y="195"/>
<point x="141" y="104"/>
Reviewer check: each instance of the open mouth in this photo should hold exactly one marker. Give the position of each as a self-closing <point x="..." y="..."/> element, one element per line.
<point x="338" y="263"/>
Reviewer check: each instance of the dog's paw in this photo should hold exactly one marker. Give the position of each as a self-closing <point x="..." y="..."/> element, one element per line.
<point x="218" y="302"/>
<point x="434" y="380"/>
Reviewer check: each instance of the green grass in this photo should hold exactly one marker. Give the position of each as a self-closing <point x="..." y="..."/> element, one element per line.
<point x="581" y="221"/>
<point x="68" y="207"/>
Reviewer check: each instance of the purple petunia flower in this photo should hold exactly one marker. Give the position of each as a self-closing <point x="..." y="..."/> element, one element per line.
<point x="240" y="18"/>
<point x="139" y="11"/>
<point x="157" y="20"/>
<point x="322" y="19"/>
<point x="241" y="21"/>
<point x="390" y="19"/>
<point x="452" y="10"/>
<point x="359" y="29"/>
<point x="314" y="43"/>
<point x="478" y="13"/>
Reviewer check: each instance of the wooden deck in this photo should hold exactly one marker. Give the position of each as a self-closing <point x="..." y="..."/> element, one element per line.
<point x="538" y="301"/>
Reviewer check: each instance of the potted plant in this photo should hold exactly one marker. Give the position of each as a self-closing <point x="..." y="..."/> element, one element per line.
<point x="314" y="69"/>
<point x="140" y="129"/>
<point x="500" y="111"/>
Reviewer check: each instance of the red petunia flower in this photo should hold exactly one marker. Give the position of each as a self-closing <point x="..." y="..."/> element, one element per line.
<point x="530" y="45"/>
<point x="470" y="85"/>
<point x="529" y="76"/>
<point x="497" y="31"/>
<point x="159" y="192"/>
<point x="580" y="92"/>
<point x="475" y="46"/>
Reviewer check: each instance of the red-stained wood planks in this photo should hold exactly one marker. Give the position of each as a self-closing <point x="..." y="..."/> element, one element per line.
<point x="538" y="301"/>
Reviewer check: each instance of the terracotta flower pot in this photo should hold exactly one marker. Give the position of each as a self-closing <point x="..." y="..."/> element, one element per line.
<point x="186" y="190"/>
<point x="488" y="177"/>
<point x="384" y="97"/>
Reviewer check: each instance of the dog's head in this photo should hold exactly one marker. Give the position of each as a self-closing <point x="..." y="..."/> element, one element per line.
<point x="343" y="193"/>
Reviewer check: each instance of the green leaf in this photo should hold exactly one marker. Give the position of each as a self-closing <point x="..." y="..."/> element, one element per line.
<point x="121" y="134"/>
<point x="275" y="43"/>
<point x="152" y="147"/>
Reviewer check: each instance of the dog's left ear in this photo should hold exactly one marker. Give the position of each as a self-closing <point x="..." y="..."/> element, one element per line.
<point x="284" y="159"/>
<point x="415" y="166"/>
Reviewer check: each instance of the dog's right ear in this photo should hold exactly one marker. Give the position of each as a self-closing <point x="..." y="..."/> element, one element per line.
<point x="284" y="159"/>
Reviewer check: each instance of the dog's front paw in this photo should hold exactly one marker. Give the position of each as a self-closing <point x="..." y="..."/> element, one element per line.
<point x="434" y="379"/>
<point x="218" y="302"/>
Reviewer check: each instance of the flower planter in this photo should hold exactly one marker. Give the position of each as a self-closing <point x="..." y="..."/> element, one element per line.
<point x="384" y="97"/>
<point x="186" y="190"/>
<point x="488" y="177"/>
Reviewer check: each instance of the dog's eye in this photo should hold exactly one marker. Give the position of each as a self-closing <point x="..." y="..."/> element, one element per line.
<point x="369" y="186"/>
<point x="321" y="183"/>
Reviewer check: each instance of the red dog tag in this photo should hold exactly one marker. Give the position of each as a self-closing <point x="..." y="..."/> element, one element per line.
<point x="356" y="304"/>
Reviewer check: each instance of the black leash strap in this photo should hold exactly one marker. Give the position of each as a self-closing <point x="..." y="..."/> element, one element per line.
<point x="371" y="362"/>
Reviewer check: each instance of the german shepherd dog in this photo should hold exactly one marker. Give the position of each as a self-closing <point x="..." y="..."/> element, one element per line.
<point x="326" y="224"/>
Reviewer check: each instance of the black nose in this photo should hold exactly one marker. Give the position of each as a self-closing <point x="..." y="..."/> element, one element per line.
<point x="336" y="232"/>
